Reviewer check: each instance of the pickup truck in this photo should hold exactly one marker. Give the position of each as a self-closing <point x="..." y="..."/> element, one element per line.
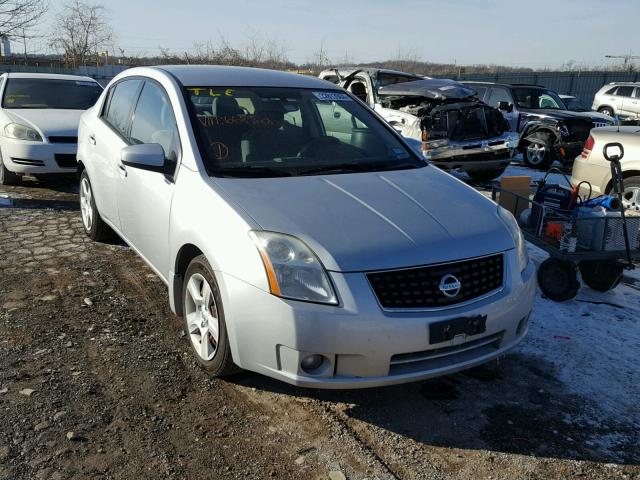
<point x="454" y="129"/>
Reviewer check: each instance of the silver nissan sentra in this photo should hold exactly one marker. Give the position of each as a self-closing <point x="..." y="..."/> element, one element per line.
<point x="298" y="234"/>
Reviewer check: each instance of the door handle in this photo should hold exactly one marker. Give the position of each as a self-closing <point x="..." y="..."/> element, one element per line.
<point x="123" y="170"/>
<point x="92" y="140"/>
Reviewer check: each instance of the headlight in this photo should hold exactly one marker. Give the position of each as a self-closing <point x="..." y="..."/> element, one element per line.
<point x="293" y="270"/>
<point x="21" y="132"/>
<point x="437" y="143"/>
<point x="516" y="234"/>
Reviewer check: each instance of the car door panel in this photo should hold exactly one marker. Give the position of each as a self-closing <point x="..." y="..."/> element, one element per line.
<point x="144" y="197"/>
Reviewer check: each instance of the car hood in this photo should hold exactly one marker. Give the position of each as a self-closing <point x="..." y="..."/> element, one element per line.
<point x="569" y="114"/>
<point x="374" y="221"/>
<point x="50" y="122"/>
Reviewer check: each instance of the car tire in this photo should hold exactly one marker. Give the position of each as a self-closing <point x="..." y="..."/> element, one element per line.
<point x="631" y="195"/>
<point x="601" y="276"/>
<point x="7" y="177"/>
<point x="486" y="175"/>
<point x="204" y="319"/>
<point x="606" y="111"/>
<point x="537" y="154"/>
<point x="95" y="228"/>
<point x="558" y="280"/>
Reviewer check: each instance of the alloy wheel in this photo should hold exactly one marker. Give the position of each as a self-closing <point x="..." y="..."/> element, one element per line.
<point x="86" y="208"/>
<point x="536" y="153"/>
<point x="631" y="198"/>
<point x="202" y="317"/>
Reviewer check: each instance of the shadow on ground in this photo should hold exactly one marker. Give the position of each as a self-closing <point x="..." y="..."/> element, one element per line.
<point x="516" y="406"/>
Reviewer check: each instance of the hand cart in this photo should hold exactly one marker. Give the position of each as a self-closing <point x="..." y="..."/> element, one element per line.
<point x="601" y="245"/>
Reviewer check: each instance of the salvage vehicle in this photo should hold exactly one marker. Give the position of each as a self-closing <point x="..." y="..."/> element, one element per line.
<point x="592" y="167"/>
<point x="456" y="130"/>
<point x="548" y="130"/>
<point x="290" y="249"/>
<point x="39" y="118"/>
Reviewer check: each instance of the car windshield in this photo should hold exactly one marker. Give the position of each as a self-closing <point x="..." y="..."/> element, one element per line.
<point x="537" y="98"/>
<point x="50" y="93"/>
<point x="266" y="132"/>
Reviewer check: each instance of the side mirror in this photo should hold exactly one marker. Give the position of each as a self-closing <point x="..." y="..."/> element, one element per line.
<point x="613" y="152"/>
<point x="505" y="106"/>
<point x="145" y="156"/>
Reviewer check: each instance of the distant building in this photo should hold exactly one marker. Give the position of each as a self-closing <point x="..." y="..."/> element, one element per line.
<point x="5" y="47"/>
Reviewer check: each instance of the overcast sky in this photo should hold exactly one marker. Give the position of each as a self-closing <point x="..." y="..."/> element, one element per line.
<point x="508" y="32"/>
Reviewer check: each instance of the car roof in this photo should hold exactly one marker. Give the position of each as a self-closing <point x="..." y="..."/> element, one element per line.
<point x="218" y="75"/>
<point x="344" y="71"/>
<point x="49" y="76"/>
<point x="476" y="82"/>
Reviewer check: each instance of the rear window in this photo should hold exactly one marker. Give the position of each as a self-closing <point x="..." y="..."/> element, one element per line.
<point x="261" y="131"/>
<point x="50" y="93"/>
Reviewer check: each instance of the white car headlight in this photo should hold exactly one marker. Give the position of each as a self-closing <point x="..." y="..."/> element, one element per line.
<point x="521" y="246"/>
<point x="22" y="132"/>
<point x="293" y="270"/>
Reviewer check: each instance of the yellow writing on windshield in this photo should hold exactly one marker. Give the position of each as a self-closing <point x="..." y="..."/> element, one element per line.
<point x="211" y="92"/>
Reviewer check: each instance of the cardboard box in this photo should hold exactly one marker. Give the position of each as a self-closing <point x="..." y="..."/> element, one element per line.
<point x="518" y="185"/>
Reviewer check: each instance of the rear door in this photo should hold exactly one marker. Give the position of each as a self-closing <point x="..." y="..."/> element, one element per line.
<point x="623" y="99"/>
<point x="634" y="103"/>
<point x="106" y="137"/>
<point x="144" y="197"/>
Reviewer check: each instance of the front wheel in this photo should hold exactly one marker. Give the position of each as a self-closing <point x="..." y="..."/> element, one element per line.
<point x="204" y="318"/>
<point x="538" y="155"/>
<point x="558" y="280"/>
<point x="95" y="228"/>
<point x="486" y="175"/>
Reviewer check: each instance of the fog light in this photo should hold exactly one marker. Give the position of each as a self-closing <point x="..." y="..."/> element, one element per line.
<point x="311" y="362"/>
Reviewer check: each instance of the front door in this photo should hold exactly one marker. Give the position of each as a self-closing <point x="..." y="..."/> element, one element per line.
<point x="144" y="197"/>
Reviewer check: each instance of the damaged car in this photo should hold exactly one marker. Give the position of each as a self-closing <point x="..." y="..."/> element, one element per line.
<point x="548" y="130"/>
<point x="454" y="128"/>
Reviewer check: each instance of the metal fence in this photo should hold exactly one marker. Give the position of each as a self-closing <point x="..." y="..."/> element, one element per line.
<point x="102" y="74"/>
<point x="583" y="85"/>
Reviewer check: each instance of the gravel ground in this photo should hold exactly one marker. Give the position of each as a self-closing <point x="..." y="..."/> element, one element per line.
<point x="97" y="381"/>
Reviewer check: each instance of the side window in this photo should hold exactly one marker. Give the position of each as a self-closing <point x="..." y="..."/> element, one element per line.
<point x="497" y="95"/>
<point x="154" y="122"/>
<point x="636" y="93"/>
<point x="120" y="102"/>
<point x="481" y="91"/>
<point x="612" y="91"/>
<point x="624" y="91"/>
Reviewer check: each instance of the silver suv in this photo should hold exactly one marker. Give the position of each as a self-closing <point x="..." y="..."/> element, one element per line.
<point x="621" y="99"/>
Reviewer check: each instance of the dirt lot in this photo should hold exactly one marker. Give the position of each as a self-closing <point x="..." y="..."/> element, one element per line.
<point x="97" y="381"/>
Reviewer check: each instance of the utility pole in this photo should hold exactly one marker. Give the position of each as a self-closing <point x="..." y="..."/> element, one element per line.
<point x="627" y="60"/>
<point x="24" y="42"/>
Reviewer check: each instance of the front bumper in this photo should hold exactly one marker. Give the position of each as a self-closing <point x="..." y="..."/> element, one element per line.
<point x="475" y="155"/>
<point x="20" y="156"/>
<point x="359" y="340"/>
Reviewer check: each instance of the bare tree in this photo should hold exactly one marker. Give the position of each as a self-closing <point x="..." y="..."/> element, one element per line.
<point x="81" y="30"/>
<point x="18" y="15"/>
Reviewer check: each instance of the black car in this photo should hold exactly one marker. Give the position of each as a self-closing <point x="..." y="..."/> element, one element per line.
<point x="548" y="130"/>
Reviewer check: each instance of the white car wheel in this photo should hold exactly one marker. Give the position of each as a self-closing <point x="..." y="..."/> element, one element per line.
<point x="86" y="207"/>
<point x="94" y="226"/>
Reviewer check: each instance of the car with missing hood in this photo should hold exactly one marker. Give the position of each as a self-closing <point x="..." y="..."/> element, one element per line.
<point x="290" y="248"/>
<point x="443" y="118"/>
<point x="548" y="130"/>
<point x="39" y="118"/>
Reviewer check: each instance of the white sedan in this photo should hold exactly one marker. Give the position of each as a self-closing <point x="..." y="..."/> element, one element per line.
<point x="294" y="250"/>
<point x="39" y="118"/>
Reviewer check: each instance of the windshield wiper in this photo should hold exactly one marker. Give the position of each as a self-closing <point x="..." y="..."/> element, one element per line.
<point x="336" y="168"/>
<point x="251" y="171"/>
